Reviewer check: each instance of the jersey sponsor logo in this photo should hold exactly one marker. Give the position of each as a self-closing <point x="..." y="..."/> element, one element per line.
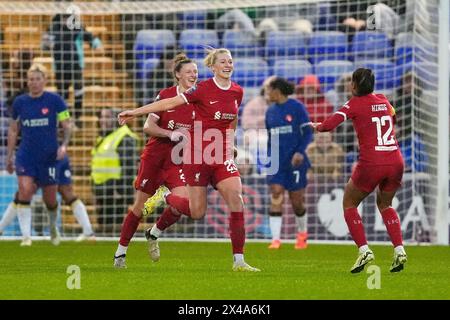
<point x="44" y="111"/>
<point x="171" y="124"/>
<point x="224" y="116"/>
<point x="213" y="102"/>
<point x="144" y="182"/>
<point x="281" y="130"/>
<point x="379" y="107"/>
<point x="35" y="122"/>
<point x="288" y="118"/>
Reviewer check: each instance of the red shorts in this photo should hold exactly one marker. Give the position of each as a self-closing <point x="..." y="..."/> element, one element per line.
<point x="387" y="177"/>
<point x="156" y="171"/>
<point x="200" y="175"/>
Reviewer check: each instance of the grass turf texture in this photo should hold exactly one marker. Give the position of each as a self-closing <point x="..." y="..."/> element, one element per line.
<point x="197" y="271"/>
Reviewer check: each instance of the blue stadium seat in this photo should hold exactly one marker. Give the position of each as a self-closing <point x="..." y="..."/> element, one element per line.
<point x="193" y="42"/>
<point x="203" y="71"/>
<point x="385" y="73"/>
<point x="151" y="44"/>
<point x="329" y="71"/>
<point x="241" y="44"/>
<point x="293" y="70"/>
<point x="283" y="44"/>
<point x="327" y="45"/>
<point x="148" y="66"/>
<point x="193" y="19"/>
<point x="371" y="45"/>
<point x="250" y="72"/>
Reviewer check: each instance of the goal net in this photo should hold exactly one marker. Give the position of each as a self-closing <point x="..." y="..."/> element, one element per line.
<point x="123" y="59"/>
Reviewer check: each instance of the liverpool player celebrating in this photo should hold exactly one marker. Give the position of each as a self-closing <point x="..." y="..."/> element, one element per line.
<point x="156" y="167"/>
<point x="216" y="103"/>
<point x="380" y="164"/>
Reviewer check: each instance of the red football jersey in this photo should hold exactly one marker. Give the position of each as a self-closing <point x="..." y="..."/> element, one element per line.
<point x="215" y="107"/>
<point x="373" y="120"/>
<point x="179" y="118"/>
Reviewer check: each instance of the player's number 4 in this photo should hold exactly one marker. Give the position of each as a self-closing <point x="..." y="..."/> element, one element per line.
<point x="385" y="139"/>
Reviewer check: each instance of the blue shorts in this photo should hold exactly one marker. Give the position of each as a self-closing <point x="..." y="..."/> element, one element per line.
<point x="63" y="171"/>
<point x="44" y="174"/>
<point x="291" y="178"/>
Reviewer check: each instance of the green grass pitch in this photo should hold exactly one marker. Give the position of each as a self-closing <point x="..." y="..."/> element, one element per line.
<point x="198" y="271"/>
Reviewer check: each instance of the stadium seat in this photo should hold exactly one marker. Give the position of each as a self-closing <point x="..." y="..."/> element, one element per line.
<point x="293" y="70"/>
<point x="194" y="41"/>
<point x="327" y="45"/>
<point x="241" y="43"/>
<point x="283" y="44"/>
<point x="328" y="71"/>
<point x="250" y="72"/>
<point x="193" y="19"/>
<point x="385" y="73"/>
<point x="151" y="44"/>
<point x="203" y="71"/>
<point x="371" y="45"/>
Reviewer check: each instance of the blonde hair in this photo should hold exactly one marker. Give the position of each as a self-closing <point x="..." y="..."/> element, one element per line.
<point x="37" y="67"/>
<point x="211" y="57"/>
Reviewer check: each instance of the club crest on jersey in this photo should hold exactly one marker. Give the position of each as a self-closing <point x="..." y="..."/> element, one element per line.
<point x="197" y="177"/>
<point x="44" y="111"/>
<point x="288" y="118"/>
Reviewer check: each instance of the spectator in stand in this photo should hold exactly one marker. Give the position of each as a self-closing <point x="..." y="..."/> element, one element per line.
<point x="326" y="157"/>
<point x="113" y="169"/>
<point x="235" y="19"/>
<point x="66" y="41"/>
<point x="310" y="94"/>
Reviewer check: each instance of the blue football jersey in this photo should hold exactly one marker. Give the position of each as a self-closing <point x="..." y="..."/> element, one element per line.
<point x="38" y="122"/>
<point x="289" y="123"/>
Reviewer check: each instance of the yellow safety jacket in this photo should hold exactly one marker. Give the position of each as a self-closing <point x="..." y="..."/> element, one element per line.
<point x="105" y="164"/>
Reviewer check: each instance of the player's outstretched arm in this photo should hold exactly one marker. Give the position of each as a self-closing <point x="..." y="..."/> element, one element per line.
<point x="161" y="105"/>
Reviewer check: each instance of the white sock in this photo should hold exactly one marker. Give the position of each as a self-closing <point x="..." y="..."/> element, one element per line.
<point x="8" y="216"/>
<point x="155" y="231"/>
<point x="53" y="214"/>
<point x="275" y="227"/>
<point x="363" y="248"/>
<point x="301" y="223"/>
<point x="24" y="215"/>
<point x="399" y="249"/>
<point x="121" y="250"/>
<point x="238" y="258"/>
<point x="80" y="213"/>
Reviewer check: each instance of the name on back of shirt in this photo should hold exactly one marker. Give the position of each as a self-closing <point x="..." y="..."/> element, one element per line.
<point x="379" y="107"/>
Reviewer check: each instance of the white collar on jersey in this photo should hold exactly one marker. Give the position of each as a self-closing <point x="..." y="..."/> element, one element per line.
<point x="178" y="90"/>
<point x="220" y="87"/>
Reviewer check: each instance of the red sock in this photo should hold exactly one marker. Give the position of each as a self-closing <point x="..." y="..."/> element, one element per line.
<point x="392" y="223"/>
<point x="167" y="219"/>
<point x="179" y="203"/>
<point x="355" y="226"/>
<point x="129" y="227"/>
<point x="237" y="231"/>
